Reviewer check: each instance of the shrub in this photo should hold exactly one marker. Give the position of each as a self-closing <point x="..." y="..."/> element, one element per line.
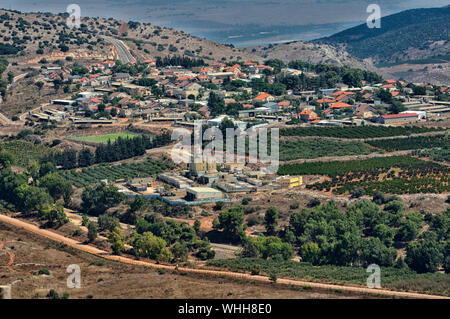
<point x="256" y="269"/>
<point x="357" y="192"/>
<point x="273" y="277"/>
<point x="314" y="202"/>
<point x="253" y="220"/>
<point x="44" y="272"/>
<point x="219" y="206"/>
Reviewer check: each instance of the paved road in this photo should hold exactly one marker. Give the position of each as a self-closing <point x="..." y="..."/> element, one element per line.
<point x="122" y="51"/>
<point x="299" y="283"/>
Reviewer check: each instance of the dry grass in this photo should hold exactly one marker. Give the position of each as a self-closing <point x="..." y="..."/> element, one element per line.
<point x="106" y="279"/>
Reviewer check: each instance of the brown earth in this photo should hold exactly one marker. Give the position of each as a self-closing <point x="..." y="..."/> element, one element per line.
<point x="205" y="272"/>
<point x="310" y="52"/>
<point x="102" y="278"/>
<point x="435" y="73"/>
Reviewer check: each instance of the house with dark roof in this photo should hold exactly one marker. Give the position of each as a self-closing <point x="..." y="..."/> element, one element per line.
<point x="365" y="111"/>
<point x="121" y="76"/>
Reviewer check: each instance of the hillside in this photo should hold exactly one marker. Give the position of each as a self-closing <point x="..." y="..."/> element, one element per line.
<point x="33" y="36"/>
<point x="28" y="41"/>
<point x="309" y="52"/>
<point x="408" y="35"/>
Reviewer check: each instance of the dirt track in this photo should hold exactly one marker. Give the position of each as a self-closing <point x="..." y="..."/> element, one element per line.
<point x="11" y="257"/>
<point x="345" y="157"/>
<point x="101" y="253"/>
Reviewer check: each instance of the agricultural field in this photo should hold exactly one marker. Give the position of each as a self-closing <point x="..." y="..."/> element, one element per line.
<point x="412" y="184"/>
<point x="357" y="131"/>
<point x="439" y="154"/>
<point x="395" y="278"/>
<point x="342" y="167"/>
<point x="92" y="175"/>
<point x="411" y="143"/>
<point x="394" y="175"/>
<point x="302" y="149"/>
<point x="103" y="139"/>
<point x="24" y="151"/>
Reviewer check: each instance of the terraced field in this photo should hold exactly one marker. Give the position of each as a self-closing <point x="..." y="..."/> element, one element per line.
<point x="357" y="131"/>
<point x="92" y="175"/>
<point x="305" y="149"/>
<point x="412" y="143"/>
<point x="24" y="151"/>
<point x="394" y="175"/>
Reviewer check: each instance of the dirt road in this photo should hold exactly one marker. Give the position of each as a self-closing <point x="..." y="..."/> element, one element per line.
<point x="101" y="253"/>
<point x="11" y="257"/>
<point x="345" y="157"/>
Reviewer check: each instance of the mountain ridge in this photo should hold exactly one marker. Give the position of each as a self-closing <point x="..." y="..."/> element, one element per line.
<point x="408" y="35"/>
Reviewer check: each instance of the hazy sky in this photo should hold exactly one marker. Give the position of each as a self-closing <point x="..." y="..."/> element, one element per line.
<point x="231" y="19"/>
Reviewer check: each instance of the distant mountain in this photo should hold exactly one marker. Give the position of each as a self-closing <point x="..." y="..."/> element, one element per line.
<point x="409" y="35"/>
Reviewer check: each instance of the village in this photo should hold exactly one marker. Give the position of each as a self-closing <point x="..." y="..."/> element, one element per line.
<point x="156" y="159"/>
<point x="171" y="96"/>
<point x="177" y="95"/>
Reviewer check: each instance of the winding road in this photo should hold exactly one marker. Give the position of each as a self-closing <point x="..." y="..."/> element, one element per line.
<point x="122" y="50"/>
<point x="215" y="273"/>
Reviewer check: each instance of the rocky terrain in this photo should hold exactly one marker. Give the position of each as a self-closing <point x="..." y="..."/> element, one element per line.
<point x="310" y="52"/>
<point x="416" y="34"/>
<point x="44" y="35"/>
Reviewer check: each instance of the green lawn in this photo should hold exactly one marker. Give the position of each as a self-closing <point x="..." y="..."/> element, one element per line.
<point x="104" y="138"/>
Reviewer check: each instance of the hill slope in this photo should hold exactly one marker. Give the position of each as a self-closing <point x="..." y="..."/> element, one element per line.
<point x="310" y="52"/>
<point x="408" y="35"/>
<point x="33" y="36"/>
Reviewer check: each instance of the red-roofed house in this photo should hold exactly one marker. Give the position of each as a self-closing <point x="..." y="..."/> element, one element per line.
<point x="344" y="97"/>
<point x="341" y="105"/>
<point x="308" y="115"/>
<point x="109" y="64"/>
<point x="398" y="118"/>
<point x="184" y="78"/>
<point x="390" y="87"/>
<point x="337" y="93"/>
<point x="264" y="97"/>
<point x="202" y="77"/>
<point x="283" y="104"/>
<point x="149" y="62"/>
<point x="326" y="101"/>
